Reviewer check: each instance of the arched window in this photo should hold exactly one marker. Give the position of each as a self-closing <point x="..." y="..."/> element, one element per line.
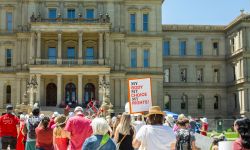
<point x="167" y="102"/>
<point x="200" y="102"/>
<point x="216" y="102"/>
<point x="184" y="102"/>
<point x="8" y="94"/>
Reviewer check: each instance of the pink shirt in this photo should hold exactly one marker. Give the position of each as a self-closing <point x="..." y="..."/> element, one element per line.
<point x="237" y="145"/>
<point x="80" y="129"/>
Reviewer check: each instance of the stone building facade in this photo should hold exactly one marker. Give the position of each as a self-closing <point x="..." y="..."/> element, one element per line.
<point x="83" y="49"/>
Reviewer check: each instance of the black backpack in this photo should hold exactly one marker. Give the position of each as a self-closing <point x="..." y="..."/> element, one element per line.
<point x="183" y="143"/>
<point x="33" y="122"/>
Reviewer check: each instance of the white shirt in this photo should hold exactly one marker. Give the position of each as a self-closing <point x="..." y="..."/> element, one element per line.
<point x="138" y="124"/>
<point x="155" y="137"/>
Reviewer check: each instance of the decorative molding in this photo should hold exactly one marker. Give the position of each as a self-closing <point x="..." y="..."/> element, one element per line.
<point x="146" y="9"/>
<point x="146" y="44"/>
<point x="133" y="44"/>
<point x="193" y="28"/>
<point x="133" y="9"/>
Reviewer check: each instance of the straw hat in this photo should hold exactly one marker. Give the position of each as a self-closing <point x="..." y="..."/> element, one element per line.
<point x="60" y="120"/>
<point x="155" y="110"/>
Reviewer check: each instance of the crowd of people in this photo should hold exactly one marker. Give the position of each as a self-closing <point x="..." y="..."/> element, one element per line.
<point x="75" y="131"/>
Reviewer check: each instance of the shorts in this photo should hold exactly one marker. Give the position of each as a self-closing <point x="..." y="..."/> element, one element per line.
<point x="9" y="140"/>
<point x="30" y="145"/>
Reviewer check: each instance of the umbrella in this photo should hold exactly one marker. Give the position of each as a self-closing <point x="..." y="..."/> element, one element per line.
<point x="174" y="115"/>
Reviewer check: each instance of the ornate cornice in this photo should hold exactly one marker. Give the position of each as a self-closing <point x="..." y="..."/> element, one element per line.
<point x="193" y="28"/>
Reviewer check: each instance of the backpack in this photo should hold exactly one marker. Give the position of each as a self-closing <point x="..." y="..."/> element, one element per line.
<point x="33" y="122"/>
<point x="183" y="142"/>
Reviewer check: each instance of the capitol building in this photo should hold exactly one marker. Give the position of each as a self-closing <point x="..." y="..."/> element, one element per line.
<point x="58" y="52"/>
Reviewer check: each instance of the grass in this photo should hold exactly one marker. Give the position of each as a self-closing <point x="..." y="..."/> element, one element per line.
<point x="229" y="135"/>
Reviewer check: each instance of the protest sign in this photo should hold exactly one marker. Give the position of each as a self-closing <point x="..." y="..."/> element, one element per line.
<point x="139" y="94"/>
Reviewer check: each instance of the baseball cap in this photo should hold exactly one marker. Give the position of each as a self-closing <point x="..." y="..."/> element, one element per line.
<point x="9" y="107"/>
<point x="78" y="108"/>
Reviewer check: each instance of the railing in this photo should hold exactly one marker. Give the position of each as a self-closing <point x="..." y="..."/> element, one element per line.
<point x="90" y="61"/>
<point x="48" y="61"/>
<point x="145" y="70"/>
<point x="8" y="69"/>
<point x="69" y="62"/>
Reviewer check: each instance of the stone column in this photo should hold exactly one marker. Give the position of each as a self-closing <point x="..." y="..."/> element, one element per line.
<point x="32" y="52"/>
<point x="123" y="99"/>
<point x="18" y="50"/>
<point x="107" y="57"/>
<point x="80" y="61"/>
<point x="59" y="49"/>
<point x="107" y="78"/>
<point x="100" y="92"/>
<point x="100" y="48"/>
<point x="38" y="45"/>
<point x="59" y="89"/>
<point x="18" y="91"/>
<point x="80" y="89"/>
<point x="38" y="96"/>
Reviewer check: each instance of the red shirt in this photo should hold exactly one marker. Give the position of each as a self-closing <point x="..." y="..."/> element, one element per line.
<point x="8" y="123"/>
<point x="44" y="138"/>
<point x="237" y="145"/>
<point x="204" y="129"/>
<point x="80" y="129"/>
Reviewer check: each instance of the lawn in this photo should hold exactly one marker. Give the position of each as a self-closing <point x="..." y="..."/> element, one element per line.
<point x="229" y="135"/>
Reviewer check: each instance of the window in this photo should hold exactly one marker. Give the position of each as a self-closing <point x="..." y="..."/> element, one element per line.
<point x="71" y="13"/>
<point x="8" y="57"/>
<point x="90" y="13"/>
<point x="216" y="48"/>
<point x="9" y="20"/>
<point x="199" y="75"/>
<point x="166" y="48"/>
<point x="167" y="102"/>
<point x="52" y="13"/>
<point x="235" y="100"/>
<point x="200" y="102"/>
<point x="8" y="94"/>
<point x="146" y="58"/>
<point x="133" y="58"/>
<point x="183" y="75"/>
<point x="216" y="75"/>
<point x="234" y="73"/>
<point x="145" y="22"/>
<point x="216" y="102"/>
<point x="199" y="48"/>
<point x="183" y="102"/>
<point x="89" y="56"/>
<point x="71" y="53"/>
<point x="167" y="75"/>
<point x="132" y="22"/>
<point x="52" y="55"/>
<point x="182" y="48"/>
<point x="232" y="45"/>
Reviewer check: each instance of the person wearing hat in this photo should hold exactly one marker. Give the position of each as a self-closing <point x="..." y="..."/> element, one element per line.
<point x="9" y="125"/>
<point x="60" y="136"/>
<point x="79" y="128"/>
<point x="154" y="135"/>
<point x="204" y="126"/>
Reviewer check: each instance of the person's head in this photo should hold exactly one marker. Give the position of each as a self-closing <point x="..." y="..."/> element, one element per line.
<point x="125" y="122"/>
<point x="45" y="122"/>
<point x="60" y="121"/>
<point x="9" y="109"/>
<point x="35" y="111"/>
<point x="22" y="117"/>
<point x="78" y="110"/>
<point x="181" y="116"/>
<point x="155" y="116"/>
<point x="100" y="126"/>
<point x="183" y="123"/>
<point x="139" y="117"/>
<point x="216" y="141"/>
<point x="242" y="126"/>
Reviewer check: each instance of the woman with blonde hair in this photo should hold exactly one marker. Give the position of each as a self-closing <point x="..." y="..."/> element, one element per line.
<point x="60" y="137"/>
<point x="125" y="133"/>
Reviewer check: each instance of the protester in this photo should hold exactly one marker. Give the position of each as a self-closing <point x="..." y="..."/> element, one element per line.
<point x="21" y="139"/>
<point x="52" y="120"/>
<point x="154" y="136"/>
<point x="44" y="135"/>
<point x="60" y="136"/>
<point x="242" y="126"/>
<point x="79" y="128"/>
<point x="9" y="125"/>
<point x="29" y="129"/>
<point x="116" y="122"/>
<point x="204" y="126"/>
<point x="169" y="121"/>
<point x="125" y="133"/>
<point x="139" y="123"/>
<point x="100" y="139"/>
<point x="176" y="127"/>
<point x="215" y="143"/>
<point x="185" y="139"/>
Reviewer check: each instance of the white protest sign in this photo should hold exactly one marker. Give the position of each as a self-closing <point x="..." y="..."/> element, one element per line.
<point x="139" y="94"/>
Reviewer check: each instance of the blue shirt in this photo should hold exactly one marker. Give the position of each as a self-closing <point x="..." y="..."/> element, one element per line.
<point x="93" y="142"/>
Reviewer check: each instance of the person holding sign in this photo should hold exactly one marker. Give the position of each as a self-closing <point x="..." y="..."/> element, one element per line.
<point x="154" y="135"/>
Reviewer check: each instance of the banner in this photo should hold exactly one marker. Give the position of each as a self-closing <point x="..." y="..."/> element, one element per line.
<point x="139" y="94"/>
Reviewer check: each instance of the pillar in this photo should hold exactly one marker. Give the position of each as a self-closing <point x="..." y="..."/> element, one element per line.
<point x="38" y="96"/>
<point x="80" y="61"/>
<point x="38" y="45"/>
<point x="59" y="89"/>
<point x="18" y="91"/>
<point x="100" y="48"/>
<point x="80" y="89"/>
<point x="18" y="50"/>
<point x="32" y="37"/>
<point x="123" y="99"/>
<point x="107" y="57"/>
<point x="100" y="91"/>
<point x="59" y="48"/>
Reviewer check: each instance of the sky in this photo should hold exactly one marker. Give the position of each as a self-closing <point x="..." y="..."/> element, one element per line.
<point x="202" y="12"/>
